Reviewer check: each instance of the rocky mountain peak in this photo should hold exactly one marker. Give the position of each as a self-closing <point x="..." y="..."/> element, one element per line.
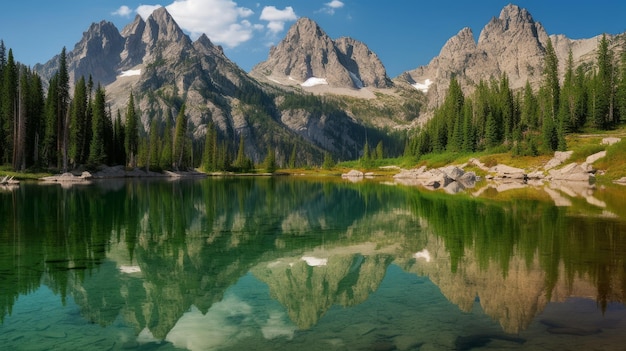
<point x="511" y="44"/>
<point x="307" y="54"/>
<point x="460" y="44"/>
<point x="96" y="54"/>
<point x="162" y="26"/>
<point x="515" y="14"/>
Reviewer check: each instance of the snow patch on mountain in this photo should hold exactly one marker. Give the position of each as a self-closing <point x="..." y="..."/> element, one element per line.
<point x="423" y="87"/>
<point x="313" y="81"/>
<point x="130" y="73"/>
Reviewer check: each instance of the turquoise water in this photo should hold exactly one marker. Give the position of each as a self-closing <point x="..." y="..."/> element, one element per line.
<point x="295" y="264"/>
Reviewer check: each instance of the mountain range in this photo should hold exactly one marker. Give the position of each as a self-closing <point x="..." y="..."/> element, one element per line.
<point x="313" y="93"/>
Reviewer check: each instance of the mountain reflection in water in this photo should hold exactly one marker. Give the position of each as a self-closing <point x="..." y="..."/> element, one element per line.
<point x="221" y="263"/>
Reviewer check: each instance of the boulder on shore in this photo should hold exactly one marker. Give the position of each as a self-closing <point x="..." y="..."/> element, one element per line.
<point x="572" y="172"/>
<point x="508" y="172"/>
<point x="451" y="178"/>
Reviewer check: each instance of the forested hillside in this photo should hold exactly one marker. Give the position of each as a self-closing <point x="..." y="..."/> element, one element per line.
<point x="529" y="122"/>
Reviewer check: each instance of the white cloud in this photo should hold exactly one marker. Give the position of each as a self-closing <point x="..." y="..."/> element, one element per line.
<point x="223" y="21"/>
<point x="335" y="4"/>
<point x="330" y="7"/>
<point x="146" y="10"/>
<point x="277" y="18"/>
<point x="123" y="11"/>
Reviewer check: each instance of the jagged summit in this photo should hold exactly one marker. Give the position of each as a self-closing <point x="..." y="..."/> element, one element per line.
<point x="308" y="56"/>
<point x="512" y="43"/>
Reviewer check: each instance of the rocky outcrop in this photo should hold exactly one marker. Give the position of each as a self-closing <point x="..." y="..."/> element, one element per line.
<point x="96" y="54"/>
<point x="307" y="56"/>
<point x="512" y="43"/>
<point x="451" y="178"/>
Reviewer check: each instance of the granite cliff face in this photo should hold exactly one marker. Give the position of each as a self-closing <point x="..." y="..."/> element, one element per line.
<point x="308" y="56"/>
<point x="512" y="43"/>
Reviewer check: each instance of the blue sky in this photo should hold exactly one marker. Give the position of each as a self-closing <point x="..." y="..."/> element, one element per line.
<point x="404" y="33"/>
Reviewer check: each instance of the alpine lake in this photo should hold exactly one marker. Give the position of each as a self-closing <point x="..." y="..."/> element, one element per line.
<point x="294" y="263"/>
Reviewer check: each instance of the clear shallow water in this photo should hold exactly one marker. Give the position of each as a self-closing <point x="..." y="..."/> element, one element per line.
<point x="267" y="264"/>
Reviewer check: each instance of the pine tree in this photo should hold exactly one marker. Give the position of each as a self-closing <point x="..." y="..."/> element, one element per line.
<point x="507" y="109"/>
<point x="269" y="163"/>
<point x="551" y="80"/>
<point x="292" y="158"/>
<point x="119" y="139"/>
<point x="63" y="109"/>
<point x="179" y="139"/>
<point x="167" y="152"/>
<point x="328" y="163"/>
<point x="21" y="117"/>
<point x="49" y="147"/>
<point x="240" y="160"/>
<point x="78" y="116"/>
<point x="9" y="108"/>
<point x="379" y="151"/>
<point x="581" y="98"/>
<point x="453" y="115"/>
<point x="131" y="133"/>
<point x="604" y="92"/>
<point x="621" y="86"/>
<point x="35" y="124"/>
<point x="209" y="156"/>
<point x="3" y="63"/>
<point x="97" y="149"/>
<point x="491" y="131"/>
<point x="529" y="109"/>
<point x="153" y="149"/>
<point x="469" y="136"/>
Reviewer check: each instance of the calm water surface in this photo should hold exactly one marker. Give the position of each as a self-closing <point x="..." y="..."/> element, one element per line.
<point x="295" y="264"/>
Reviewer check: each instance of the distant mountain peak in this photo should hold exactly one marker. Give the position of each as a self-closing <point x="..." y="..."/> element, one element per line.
<point x="308" y="56"/>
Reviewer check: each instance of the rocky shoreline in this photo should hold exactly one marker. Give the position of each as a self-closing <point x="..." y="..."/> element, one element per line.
<point x="117" y="172"/>
<point x="454" y="178"/>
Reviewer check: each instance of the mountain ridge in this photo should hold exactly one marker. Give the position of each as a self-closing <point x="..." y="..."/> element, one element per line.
<point x="307" y="53"/>
<point x="164" y="68"/>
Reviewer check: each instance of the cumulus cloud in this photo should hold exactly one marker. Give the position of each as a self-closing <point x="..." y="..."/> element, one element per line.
<point x="223" y="21"/>
<point x="330" y="7"/>
<point x="146" y="10"/>
<point x="123" y="11"/>
<point x="276" y="18"/>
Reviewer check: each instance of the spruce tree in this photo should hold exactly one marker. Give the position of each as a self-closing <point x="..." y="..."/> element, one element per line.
<point x="551" y="80"/>
<point x="155" y="141"/>
<point x="210" y="156"/>
<point x="269" y="163"/>
<point x="9" y="108"/>
<point x="292" y="158"/>
<point x="77" y="128"/>
<point x="131" y="133"/>
<point x="62" y="112"/>
<point x="36" y="122"/>
<point x="97" y="148"/>
<point x="49" y="148"/>
<point x="119" y="139"/>
<point x="166" y="153"/>
<point x="179" y="139"/>
<point x="240" y="160"/>
<point x="621" y="86"/>
<point x="529" y="108"/>
<point x="604" y="92"/>
<point x="379" y="151"/>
